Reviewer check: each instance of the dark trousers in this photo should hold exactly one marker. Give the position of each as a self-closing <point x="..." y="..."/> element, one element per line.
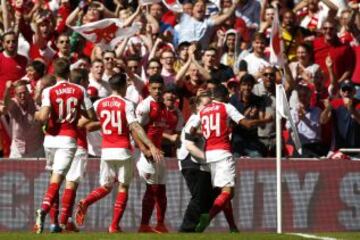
<point x="312" y="150"/>
<point x="202" y="197"/>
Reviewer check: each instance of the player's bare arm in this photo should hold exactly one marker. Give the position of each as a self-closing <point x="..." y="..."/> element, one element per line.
<point x="43" y="114"/>
<point x="141" y="145"/>
<point x="155" y="152"/>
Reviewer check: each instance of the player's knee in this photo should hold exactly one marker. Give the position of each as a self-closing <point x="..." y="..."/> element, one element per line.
<point x="123" y="187"/>
<point x="71" y="184"/>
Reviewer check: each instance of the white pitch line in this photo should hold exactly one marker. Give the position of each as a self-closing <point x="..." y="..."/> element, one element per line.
<point x="310" y="236"/>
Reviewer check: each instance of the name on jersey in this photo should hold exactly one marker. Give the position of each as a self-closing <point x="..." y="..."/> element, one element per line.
<point x="210" y="109"/>
<point x="110" y="104"/>
<point x="62" y="91"/>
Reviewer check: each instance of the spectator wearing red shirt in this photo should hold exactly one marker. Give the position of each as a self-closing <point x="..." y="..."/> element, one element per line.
<point x="342" y="55"/>
<point x="12" y="64"/>
<point x="63" y="50"/>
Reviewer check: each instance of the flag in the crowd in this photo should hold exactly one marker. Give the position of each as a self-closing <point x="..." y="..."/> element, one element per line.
<point x="106" y="33"/>
<point x="173" y="5"/>
<point x="148" y="2"/>
<point x="282" y="108"/>
<point x="276" y="45"/>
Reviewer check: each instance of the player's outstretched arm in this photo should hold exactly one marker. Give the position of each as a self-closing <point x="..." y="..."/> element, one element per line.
<point x="155" y="152"/>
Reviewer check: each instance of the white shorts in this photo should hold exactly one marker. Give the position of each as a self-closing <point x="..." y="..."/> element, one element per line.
<point x="152" y="173"/>
<point x="223" y="172"/>
<point x="58" y="160"/>
<point x="112" y="170"/>
<point x="15" y="153"/>
<point x="78" y="166"/>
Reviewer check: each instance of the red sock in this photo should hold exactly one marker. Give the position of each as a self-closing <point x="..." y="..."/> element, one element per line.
<point x="54" y="211"/>
<point x="119" y="208"/>
<point x="219" y="203"/>
<point x="67" y="204"/>
<point x="49" y="197"/>
<point x="161" y="202"/>
<point x="228" y="212"/>
<point x="147" y="205"/>
<point x="96" y="195"/>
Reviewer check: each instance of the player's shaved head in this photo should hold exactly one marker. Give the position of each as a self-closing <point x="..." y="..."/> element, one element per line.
<point x="118" y="82"/>
<point x="220" y="93"/>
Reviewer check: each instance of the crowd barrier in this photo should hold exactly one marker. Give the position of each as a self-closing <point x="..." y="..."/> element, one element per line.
<point x="318" y="195"/>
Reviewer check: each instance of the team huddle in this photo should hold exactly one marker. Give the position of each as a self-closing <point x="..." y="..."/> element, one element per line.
<point x="204" y="154"/>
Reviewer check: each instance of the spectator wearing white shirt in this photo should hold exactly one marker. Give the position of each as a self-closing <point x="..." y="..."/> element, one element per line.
<point x="307" y="122"/>
<point x="109" y="64"/>
<point x="199" y="28"/>
<point x="256" y="61"/>
<point x="96" y="78"/>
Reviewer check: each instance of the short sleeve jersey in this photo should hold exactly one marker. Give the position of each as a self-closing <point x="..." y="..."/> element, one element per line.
<point x="115" y="114"/>
<point x="175" y="121"/>
<point x="65" y="99"/>
<point x="81" y="138"/>
<point x="215" y="128"/>
<point x="152" y="116"/>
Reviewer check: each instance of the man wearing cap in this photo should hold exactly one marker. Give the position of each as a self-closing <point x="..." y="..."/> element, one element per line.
<point x="345" y="113"/>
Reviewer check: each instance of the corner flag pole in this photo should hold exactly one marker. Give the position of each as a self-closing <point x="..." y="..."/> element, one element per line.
<point x="278" y="169"/>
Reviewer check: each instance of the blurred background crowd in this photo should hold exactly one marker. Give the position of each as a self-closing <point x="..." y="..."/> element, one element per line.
<point x="195" y="48"/>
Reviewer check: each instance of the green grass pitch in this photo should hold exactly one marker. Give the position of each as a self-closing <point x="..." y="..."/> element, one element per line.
<point x="172" y="236"/>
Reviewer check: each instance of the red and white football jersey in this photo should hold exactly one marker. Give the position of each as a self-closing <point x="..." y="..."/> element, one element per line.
<point x="81" y="138"/>
<point x="214" y="120"/>
<point x="65" y="100"/>
<point x="115" y="114"/>
<point x="175" y="121"/>
<point x="152" y="116"/>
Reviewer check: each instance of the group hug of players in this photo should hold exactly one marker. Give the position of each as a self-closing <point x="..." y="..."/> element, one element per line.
<point x="205" y="154"/>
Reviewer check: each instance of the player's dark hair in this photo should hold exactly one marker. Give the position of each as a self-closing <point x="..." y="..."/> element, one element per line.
<point x="156" y="79"/>
<point x="247" y="79"/>
<point x="62" y="68"/>
<point x="39" y="67"/>
<point x="118" y="82"/>
<point x="220" y="93"/>
<point x="78" y="75"/>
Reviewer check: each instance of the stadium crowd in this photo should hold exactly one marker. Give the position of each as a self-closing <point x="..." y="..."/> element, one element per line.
<point x="180" y="57"/>
<point x="208" y="44"/>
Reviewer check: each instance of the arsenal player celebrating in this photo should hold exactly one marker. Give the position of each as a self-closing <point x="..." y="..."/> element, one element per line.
<point x="117" y="119"/>
<point x="214" y="119"/>
<point x="61" y="106"/>
<point x="152" y="115"/>
<point x="76" y="170"/>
